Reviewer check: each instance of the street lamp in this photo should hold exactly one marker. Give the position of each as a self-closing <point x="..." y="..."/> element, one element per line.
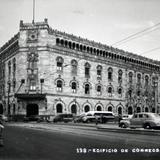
<point x="8" y="103"/>
<point x="41" y="81"/>
<point x="155" y="85"/>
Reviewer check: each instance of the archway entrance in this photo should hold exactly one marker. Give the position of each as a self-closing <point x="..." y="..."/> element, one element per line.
<point x="32" y="110"/>
<point x="86" y="108"/>
<point x="99" y="108"/>
<point x="130" y="111"/>
<point x="59" y="108"/>
<point x="138" y="109"/>
<point x="74" y="109"/>
<point x="110" y="108"/>
<point x="1" y="109"/>
<point x="120" y="110"/>
<point x="146" y="109"/>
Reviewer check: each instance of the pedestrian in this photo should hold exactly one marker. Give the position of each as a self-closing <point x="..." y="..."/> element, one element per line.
<point x="96" y="119"/>
<point x="119" y="118"/>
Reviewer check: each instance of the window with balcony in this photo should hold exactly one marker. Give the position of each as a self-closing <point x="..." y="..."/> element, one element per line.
<point x="99" y="90"/>
<point x="130" y="77"/>
<point x="138" y="78"/>
<point x="110" y="74"/>
<point x="99" y="72"/>
<point x="74" y="87"/>
<point x="59" y="85"/>
<point x="74" y="65"/>
<point x="32" y="85"/>
<point x="146" y="80"/>
<point x="110" y="91"/>
<point x="59" y="64"/>
<point x="87" y="89"/>
<point x="120" y="76"/>
<point x="87" y="70"/>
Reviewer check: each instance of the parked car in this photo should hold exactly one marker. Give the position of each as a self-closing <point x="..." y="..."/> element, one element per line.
<point x="125" y="122"/>
<point x="79" y="118"/>
<point x="63" y="118"/>
<point x="98" y="116"/>
<point x="142" y="120"/>
<point x="32" y="118"/>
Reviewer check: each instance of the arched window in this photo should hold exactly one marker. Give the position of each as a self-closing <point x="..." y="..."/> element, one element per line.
<point x="130" y="77"/>
<point x="74" y="87"/>
<point x="120" y="91"/>
<point x="74" y="109"/>
<point x="139" y="78"/>
<point x="153" y="110"/>
<point x="59" y="108"/>
<point x="146" y="80"/>
<point x="130" y="92"/>
<point x="120" y="110"/>
<point x="59" y="63"/>
<point x="74" y="67"/>
<point x="110" y="74"/>
<point x="99" y="90"/>
<point x="138" y="109"/>
<point x="146" y="109"/>
<point x="138" y="93"/>
<point x="130" y="111"/>
<point x="110" y="108"/>
<point x="99" y="72"/>
<point x="99" y="108"/>
<point x="110" y="91"/>
<point x="87" y="89"/>
<point x="14" y="67"/>
<point x="57" y="41"/>
<point x="59" y="85"/>
<point x="86" y="108"/>
<point x="9" y="69"/>
<point x="87" y="70"/>
<point x="120" y="76"/>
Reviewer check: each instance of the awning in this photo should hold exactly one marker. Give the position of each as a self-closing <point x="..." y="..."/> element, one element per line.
<point x="25" y="96"/>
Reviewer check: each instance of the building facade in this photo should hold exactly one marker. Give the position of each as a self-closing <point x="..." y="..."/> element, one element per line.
<point x="46" y="72"/>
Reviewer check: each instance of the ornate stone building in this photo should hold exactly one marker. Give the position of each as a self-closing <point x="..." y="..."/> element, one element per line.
<point x="45" y="72"/>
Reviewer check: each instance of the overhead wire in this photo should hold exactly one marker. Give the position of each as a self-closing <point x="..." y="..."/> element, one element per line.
<point x="137" y="35"/>
<point x="151" y="50"/>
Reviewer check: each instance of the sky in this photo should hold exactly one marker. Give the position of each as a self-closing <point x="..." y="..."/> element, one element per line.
<point x="104" y="21"/>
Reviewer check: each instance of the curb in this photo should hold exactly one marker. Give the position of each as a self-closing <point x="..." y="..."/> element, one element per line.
<point x="130" y="131"/>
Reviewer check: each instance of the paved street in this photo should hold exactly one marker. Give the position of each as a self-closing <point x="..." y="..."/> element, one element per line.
<point x="67" y="142"/>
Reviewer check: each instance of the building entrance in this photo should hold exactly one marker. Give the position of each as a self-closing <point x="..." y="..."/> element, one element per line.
<point x="32" y="110"/>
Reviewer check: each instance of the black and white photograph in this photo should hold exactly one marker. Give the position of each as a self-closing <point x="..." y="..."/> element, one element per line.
<point x="79" y="79"/>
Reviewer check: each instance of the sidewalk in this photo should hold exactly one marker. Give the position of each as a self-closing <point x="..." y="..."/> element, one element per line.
<point x="108" y="127"/>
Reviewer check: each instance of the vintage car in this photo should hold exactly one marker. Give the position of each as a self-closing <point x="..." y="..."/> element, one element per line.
<point x="141" y="120"/>
<point x="98" y="116"/>
<point x="63" y="118"/>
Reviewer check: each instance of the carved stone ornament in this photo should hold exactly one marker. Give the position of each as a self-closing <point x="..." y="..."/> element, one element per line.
<point x="32" y="35"/>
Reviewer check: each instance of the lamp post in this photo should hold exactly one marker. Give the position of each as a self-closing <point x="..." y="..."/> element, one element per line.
<point x="155" y="85"/>
<point x="41" y="81"/>
<point x="8" y="103"/>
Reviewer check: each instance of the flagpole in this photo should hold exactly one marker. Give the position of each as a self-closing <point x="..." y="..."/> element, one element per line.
<point x="33" y="11"/>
